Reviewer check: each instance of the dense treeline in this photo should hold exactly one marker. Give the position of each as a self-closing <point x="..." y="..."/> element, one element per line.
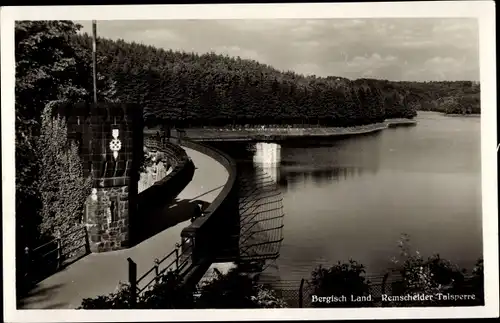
<point x="190" y="89"/>
<point x="461" y="97"/>
<point x="49" y="172"/>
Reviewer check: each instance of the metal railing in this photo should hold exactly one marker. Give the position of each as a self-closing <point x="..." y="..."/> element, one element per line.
<point x="56" y="253"/>
<point x="177" y="262"/>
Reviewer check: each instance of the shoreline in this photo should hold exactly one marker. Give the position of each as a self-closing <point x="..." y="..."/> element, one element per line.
<point x="248" y="134"/>
<point x="472" y="115"/>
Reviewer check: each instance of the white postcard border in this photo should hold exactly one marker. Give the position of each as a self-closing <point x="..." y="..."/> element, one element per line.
<point x="484" y="11"/>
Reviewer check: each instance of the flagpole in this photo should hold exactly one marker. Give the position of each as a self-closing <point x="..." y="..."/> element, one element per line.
<point x="94" y="77"/>
<point x="94" y="58"/>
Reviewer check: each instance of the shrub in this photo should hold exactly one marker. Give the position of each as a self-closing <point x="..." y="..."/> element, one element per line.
<point x="120" y="299"/>
<point x="232" y="290"/>
<point x="62" y="186"/>
<point x="343" y="279"/>
<point x="267" y="298"/>
<point x="433" y="276"/>
<point x="168" y="293"/>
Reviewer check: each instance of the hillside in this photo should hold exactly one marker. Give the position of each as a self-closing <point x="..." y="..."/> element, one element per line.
<point x="190" y="89"/>
<point x="461" y="97"/>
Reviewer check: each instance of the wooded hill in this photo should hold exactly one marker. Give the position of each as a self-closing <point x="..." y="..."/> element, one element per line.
<point x="461" y="97"/>
<point x="190" y="89"/>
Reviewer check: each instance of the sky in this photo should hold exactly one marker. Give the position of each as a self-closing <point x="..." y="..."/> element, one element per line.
<point x="398" y="49"/>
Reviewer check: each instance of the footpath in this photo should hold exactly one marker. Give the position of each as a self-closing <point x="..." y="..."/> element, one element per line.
<point x="100" y="273"/>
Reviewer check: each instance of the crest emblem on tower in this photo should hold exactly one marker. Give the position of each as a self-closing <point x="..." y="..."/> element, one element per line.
<point x="115" y="145"/>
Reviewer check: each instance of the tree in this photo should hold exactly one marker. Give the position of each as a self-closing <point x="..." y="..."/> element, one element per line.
<point x="62" y="187"/>
<point x="46" y="66"/>
<point x="196" y="90"/>
<point x="47" y="69"/>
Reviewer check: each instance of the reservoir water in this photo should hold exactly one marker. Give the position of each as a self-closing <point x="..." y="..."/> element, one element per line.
<point x="354" y="197"/>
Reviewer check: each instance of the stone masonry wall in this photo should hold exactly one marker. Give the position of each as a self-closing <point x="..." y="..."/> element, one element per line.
<point x="115" y="178"/>
<point x="108" y="219"/>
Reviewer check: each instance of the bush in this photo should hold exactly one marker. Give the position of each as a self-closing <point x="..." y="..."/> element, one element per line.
<point x="343" y="279"/>
<point x="117" y="300"/>
<point x="236" y="289"/>
<point x="62" y="186"/>
<point x="168" y="293"/>
<point x="435" y="275"/>
<point x="418" y="275"/>
<point x="233" y="290"/>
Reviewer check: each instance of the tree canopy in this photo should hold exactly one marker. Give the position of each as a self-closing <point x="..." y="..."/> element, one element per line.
<point x="190" y="89"/>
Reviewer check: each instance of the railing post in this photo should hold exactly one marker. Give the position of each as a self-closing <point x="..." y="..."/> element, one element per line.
<point x="177" y="257"/>
<point x="384" y="282"/>
<point x="132" y="278"/>
<point x="27" y="260"/>
<point x="59" y="250"/>
<point x="87" y="241"/>
<point x="301" y="291"/>
<point x="157" y="270"/>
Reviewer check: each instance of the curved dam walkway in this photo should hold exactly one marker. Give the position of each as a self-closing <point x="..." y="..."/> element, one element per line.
<point x="100" y="273"/>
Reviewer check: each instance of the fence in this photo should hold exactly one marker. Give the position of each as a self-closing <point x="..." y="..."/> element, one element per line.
<point x="178" y="262"/>
<point x="55" y="254"/>
<point x="299" y="294"/>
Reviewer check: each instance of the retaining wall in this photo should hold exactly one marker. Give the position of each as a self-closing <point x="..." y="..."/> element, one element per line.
<point x="216" y="233"/>
<point x="163" y="191"/>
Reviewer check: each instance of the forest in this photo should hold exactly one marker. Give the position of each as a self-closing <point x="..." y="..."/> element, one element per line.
<point x="460" y="97"/>
<point x="190" y="90"/>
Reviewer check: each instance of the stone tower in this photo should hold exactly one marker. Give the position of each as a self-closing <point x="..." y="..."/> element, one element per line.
<point x="110" y="137"/>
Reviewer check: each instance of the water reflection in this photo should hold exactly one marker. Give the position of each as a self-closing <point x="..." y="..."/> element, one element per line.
<point x="261" y="216"/>
<point x="268" y="156"/>
<point x="353" y="197"/>
<point x="293" y="163"/>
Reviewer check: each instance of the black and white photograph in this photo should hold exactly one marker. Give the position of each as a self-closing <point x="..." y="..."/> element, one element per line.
<point x="335" y="158"/>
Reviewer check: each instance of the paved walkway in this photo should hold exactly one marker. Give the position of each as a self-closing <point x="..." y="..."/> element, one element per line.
<point x="99" y="274"/>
